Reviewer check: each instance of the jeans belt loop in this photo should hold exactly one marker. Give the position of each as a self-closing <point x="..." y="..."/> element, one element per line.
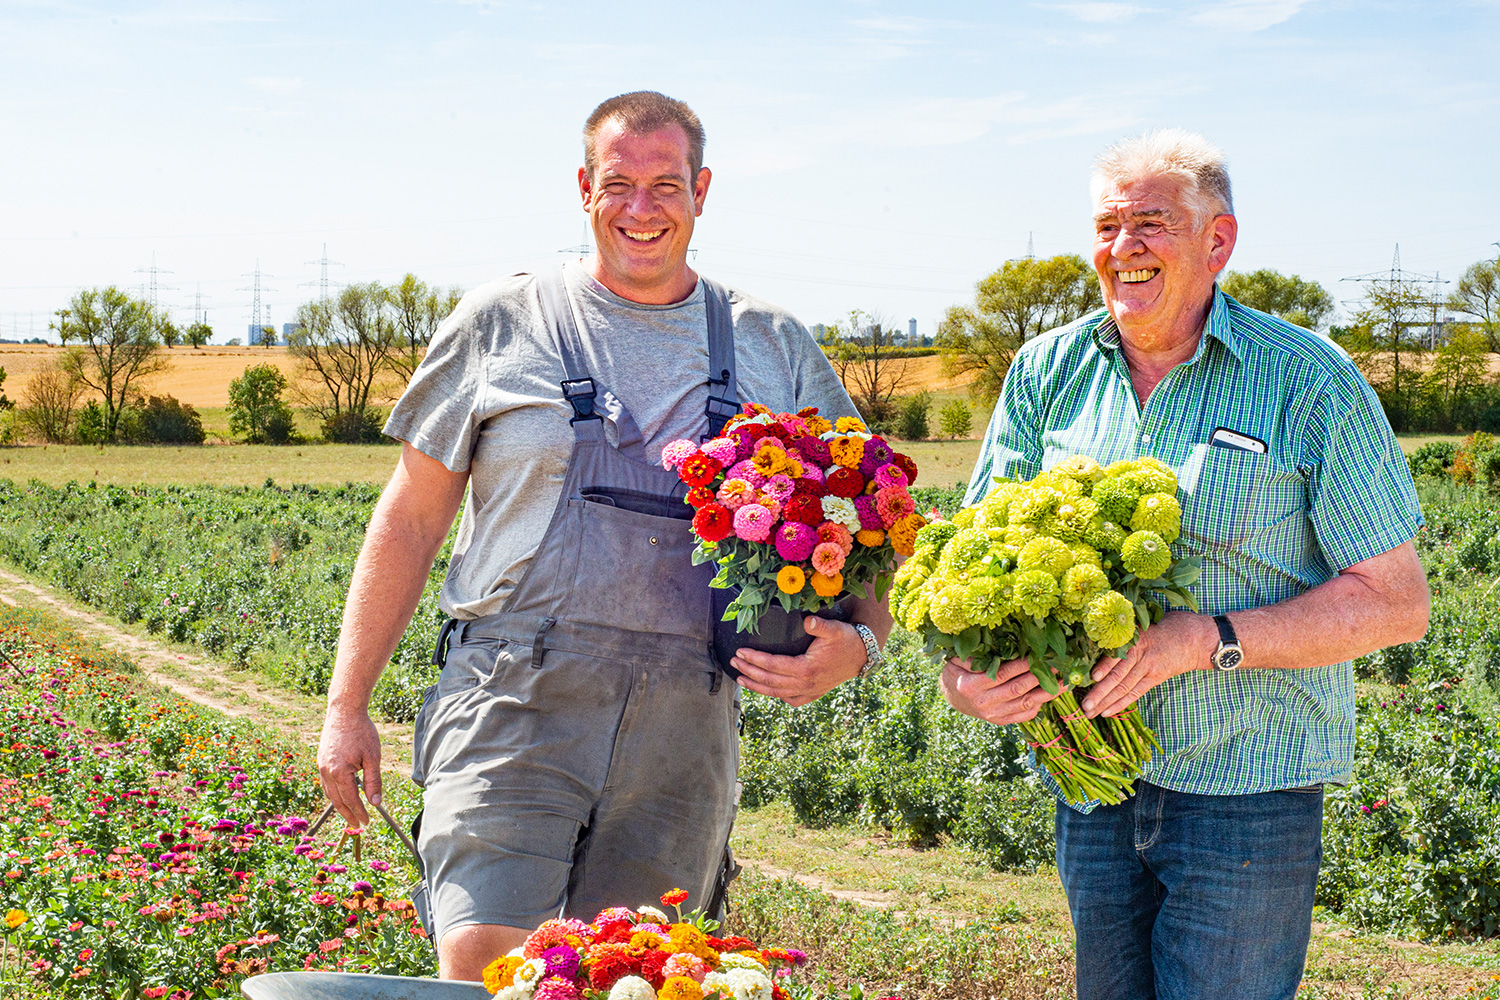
<point x="539" y="646"/>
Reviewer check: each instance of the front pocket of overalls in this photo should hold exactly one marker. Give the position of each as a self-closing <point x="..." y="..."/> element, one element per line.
<point x="635" y="571"/>
<point x="465" y="667"/>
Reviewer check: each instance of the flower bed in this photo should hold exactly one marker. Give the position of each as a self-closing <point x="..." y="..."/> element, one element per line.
<point x="165" y="851"/>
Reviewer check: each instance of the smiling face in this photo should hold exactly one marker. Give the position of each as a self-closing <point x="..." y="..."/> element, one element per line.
<point x="1157" y="259"/>
<point x="642" y="202"/>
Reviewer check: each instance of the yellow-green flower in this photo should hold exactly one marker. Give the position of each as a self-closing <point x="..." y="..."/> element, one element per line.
<point x="1110" y="620"/>
<point x="1047" y="554"/>
<point x="1036" y="592"/>
<point x="1158" y="512"/>
<point x="1081" y="584"/>
<point x="1145" y="553"/>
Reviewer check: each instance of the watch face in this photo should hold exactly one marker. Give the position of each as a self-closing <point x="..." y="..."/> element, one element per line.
<point x="1228" y="657"/>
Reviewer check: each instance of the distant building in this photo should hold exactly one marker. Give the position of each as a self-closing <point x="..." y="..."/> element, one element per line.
<point x="287" y="329"/>
<point x="911" y="330"/>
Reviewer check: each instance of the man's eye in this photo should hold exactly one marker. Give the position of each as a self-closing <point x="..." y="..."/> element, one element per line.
<point x="617" y="187"/>
<point x="1108" y="230"/>
<point x="1151" y="228"/>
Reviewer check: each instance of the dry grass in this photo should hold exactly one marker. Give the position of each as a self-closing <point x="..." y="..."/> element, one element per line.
<point x="198" y="377"/>
<point x="210" y="465"/>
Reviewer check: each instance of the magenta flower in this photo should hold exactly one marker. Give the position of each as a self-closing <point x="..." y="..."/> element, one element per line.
<point x="561" y="961"/>
<point x="752" y="522"/>
<point x="795" y="541"/>
<point x="869" y="514"/>
<point x="779" y="486"/>
<point x="747" y="471"/>
<point x="890" y="475"/>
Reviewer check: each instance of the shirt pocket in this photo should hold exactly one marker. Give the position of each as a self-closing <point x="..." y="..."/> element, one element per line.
<point x="1239" y="496"/>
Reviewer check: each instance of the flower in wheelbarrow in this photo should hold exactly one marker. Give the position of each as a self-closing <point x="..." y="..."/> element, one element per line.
<point x="795" y="541"/>
<point x="502" y="972"/>
<point x="752" y="523"/>
<point x="631" y="988"/>
<point x="698" y="469"/>
<point x="714" y="522"/>
<point x="1109" y="620"/>
<point x="828" y="558"/>
<point x="1145" y="553"/>
<point x="828" y="586"/>
<point x="680" y="988"/>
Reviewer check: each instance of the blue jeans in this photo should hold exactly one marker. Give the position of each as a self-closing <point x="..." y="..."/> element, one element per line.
<point x="1192" y="897"/>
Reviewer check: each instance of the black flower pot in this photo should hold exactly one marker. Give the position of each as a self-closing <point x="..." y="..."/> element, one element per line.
<point x="779" y="631"/>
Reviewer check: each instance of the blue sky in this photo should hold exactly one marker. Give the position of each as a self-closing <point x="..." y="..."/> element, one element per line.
<point x="880" y="156"/>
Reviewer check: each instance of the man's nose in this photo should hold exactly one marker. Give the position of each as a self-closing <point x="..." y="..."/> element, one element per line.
<point x="642" y="201"/>
<point x="1126" y="244"/>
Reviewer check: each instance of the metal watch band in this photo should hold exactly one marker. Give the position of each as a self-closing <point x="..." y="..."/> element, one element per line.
<point x="873" y="655"/>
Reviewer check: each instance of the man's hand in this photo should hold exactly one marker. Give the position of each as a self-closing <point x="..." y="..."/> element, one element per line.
<point x="836" y="654"/>
<point x="349" y="745"/>
<point x="1013" y="695"/>
<point x="1180" y="642"/>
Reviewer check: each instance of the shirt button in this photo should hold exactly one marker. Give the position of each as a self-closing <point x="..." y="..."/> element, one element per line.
<point x="1145" y="439"/>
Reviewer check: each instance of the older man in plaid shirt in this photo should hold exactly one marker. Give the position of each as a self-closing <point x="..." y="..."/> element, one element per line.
<point x="1300" y="503"/>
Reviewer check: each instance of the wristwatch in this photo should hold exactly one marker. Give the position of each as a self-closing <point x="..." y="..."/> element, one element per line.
<point x="873" y="655"/>
<point x="1229" y="654"/>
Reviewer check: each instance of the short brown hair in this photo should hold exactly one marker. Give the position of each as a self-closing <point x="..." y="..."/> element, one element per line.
<point x="640" y="112"/>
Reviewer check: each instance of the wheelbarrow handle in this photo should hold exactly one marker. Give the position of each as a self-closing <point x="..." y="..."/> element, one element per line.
<point x="380" y="809"/>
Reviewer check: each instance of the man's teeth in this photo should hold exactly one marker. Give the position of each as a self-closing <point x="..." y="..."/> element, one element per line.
<point x="1132" y="277"/>
<point x="644" y="237"/>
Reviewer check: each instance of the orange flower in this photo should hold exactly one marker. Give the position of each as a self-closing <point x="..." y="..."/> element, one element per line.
<point x="790" y="580"/>
<point x="680" y="988"/>
<point x="501" y="972"/>
<point x="869" y="536"/>
<point x="828" y="586"/>
<point x="904" y="533"/>
<point x="674" y="897"/>
<point x="847" y="451"/>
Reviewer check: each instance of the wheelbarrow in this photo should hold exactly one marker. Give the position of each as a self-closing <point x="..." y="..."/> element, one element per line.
<point x="356" y="986"/>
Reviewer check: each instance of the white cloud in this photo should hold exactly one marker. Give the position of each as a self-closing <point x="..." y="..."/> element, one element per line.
<point x="281" y="86"/>
<point x="1247" y="15"/>
<point x="1099" y="13"/>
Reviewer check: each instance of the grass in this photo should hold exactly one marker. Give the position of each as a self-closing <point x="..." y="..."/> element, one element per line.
<point x="210" y="465"/>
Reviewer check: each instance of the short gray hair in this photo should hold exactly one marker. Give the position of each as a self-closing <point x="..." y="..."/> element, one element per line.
<point x="1169" y="152"/>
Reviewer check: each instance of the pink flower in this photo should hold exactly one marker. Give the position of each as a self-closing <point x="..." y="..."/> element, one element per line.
<point x="814" y="473"/>
<point x="685" y="964"/>
<point x="831" y="531"/>
<point x="331" y="945"/>
<point x="828" y="558"/>
<point x="555" y="988"/>
<point x="771" y="504"/>
<point x="747" y="471"/>
<point x="322" y="899"/>
<point x="780" y="487"/>
<point x="752" y="522"/>
<point x="725" y="451"/>
<point x="674" y="453"/>
<point x="894" y="503"/>
<point x="869" y="513"/>
<point x="795" y="541"/>
<point x="735" y="493"/>
<point x="890" y="475"/>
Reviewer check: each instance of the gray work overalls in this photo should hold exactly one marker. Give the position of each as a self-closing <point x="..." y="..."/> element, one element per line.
<point x="580" y="747"/>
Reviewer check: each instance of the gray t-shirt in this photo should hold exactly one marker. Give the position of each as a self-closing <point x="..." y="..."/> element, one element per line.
<point x="486" y="399"/>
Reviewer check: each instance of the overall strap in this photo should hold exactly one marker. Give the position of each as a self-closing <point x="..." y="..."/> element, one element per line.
<point x="723" y="401"/>
<point x="591" y="402"/>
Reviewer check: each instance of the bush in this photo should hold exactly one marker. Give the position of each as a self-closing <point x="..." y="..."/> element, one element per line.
<point x="256" y="409"/>
<point x="354" y="427"/>
<point x="92" y="426"/>
<point x="1434" y="458"/>
<point x="912" y="419"/>
<point x="163" y="420"/>
<point x="956" y="418"/>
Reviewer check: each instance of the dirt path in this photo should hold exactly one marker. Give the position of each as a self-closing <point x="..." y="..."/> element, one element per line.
<point x="200" y="678"/>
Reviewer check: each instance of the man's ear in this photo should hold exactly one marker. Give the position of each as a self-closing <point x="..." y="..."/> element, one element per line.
<point x="700" y="189"/>
<point x="1225" y="231"/>
<point x="585" y="186"/>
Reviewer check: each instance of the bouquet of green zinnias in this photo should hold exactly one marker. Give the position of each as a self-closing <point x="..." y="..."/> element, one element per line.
<point x="1062" y="570"/>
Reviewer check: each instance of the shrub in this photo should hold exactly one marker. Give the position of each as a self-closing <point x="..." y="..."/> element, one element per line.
<point x="1432" y="459"/>
<point x="163" y="420"/>
<point x="912" y="420"/>
<point x="91" y="427"/>
<point x="956" y="418"/>
<point x="256" y="408"/>
<point x="49" y="403"/>
<point x="354" y="427"/>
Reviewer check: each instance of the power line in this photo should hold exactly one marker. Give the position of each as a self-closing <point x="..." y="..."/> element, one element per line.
<point x="255" y="304"/>
<point x="153" y="271"/>
<point x="322" y="281"/>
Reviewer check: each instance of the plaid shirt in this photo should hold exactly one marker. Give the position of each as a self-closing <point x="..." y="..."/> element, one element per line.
<point x="1331" y="489"/>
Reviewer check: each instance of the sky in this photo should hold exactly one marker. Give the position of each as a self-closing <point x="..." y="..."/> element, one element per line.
<point x="866" y="155"/>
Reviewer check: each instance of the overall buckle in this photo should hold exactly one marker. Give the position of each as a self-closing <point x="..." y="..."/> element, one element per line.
<point x="580" y="393"/>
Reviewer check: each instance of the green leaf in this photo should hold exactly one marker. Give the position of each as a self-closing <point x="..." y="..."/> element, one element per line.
<point x="1043" y="674"/>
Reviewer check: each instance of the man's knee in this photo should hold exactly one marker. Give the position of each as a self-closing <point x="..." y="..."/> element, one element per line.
<point x="463" y="952"/>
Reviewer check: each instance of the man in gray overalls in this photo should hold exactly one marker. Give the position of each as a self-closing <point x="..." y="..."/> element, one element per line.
<point x="579" y="749"/>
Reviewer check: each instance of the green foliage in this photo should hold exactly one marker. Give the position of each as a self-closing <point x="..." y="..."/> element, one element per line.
<point x="911" y="423"/>
<point x="1432" y="459"/>
<point x="1014" y="304"/>
<point x="355" y="427"/>
<point x="92" y="425"/>
<point x="1294" y="299"/>
<point x="256" y="408"/>
<point x="198" y="334"/>
<point x="5" y="402"/>
<point x="254" y="576"/>
<point x="119" y="348"/>
<point x="1477" y="294"/>
<point x="955" y="418"/>
<point x="163" y="420"/>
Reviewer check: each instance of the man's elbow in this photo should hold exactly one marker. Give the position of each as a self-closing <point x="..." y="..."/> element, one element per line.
<point x="1411" y="608"/>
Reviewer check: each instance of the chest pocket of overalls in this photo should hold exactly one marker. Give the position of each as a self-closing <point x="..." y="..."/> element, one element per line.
<point x="635" y="569"/>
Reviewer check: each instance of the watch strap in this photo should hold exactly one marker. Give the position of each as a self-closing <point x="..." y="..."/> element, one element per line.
<point x="1226" y="631"/>
<point x="873" y="655"/>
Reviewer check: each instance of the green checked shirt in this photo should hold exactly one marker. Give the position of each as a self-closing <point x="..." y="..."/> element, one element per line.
<point x="1331" y="489"/>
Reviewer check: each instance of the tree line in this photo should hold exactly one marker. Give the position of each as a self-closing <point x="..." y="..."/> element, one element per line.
<point x="354" y="351"/>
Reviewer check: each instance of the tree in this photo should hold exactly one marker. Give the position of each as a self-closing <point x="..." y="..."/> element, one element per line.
<point x="1014" y="304"/>
<point x="416" y="312"/>
<point x="1305" y="303"/>
<point x="345" y="346"/>
<point x="48" y="404"/>
<point x="866" y="362"/>
<point x="1385" y="341"/>
<point x="955" y="418"/>
<point x="1457" y="379"/>
<point x="268" y="336"/>
<point x="5" y="402"/>
<point x="119" y="347"/>
<point x="198" y="334"/>
<point x="1477" y="294"/>
<point x="171" y="336"/>
<point x="256" y="409"/>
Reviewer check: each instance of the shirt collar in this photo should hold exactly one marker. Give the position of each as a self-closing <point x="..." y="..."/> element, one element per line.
<point x="1107" y="334"/>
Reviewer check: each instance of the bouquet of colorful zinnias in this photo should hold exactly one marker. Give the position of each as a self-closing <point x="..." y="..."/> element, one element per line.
<point x="797" y="509"/>
<point x="640" y="954"/>
<point x="1060" y="570"/>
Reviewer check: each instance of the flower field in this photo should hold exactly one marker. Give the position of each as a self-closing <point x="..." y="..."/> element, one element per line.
<point x="153" y="849"/>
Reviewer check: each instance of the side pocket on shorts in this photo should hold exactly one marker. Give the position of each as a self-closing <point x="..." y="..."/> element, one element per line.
<point x="467" y="667"/>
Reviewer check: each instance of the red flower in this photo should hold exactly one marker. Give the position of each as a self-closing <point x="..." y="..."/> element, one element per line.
<point x="698" y="496"/>
<point x="809" y="488"/>
<point x="807" y="411"/>
<point x="845" y="483"/>
<point x="698" y="469"/>
<point x="674" y="897"/>
<point x="907" y="466"/>
<point x="608" y="963"/>
<point x="713" y="522"/>
<point x="651" y="966"/>
<point x="803" y="508"/>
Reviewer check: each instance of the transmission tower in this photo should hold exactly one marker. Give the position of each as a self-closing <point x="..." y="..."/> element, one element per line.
<point x="1030" y="246"/>
<point x="322" y="281"/>
<point x="152" y="285"/>
<point x="257" y="288"/>
<point x="1394" y="279"/>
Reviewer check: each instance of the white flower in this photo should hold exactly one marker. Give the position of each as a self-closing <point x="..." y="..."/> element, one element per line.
<point x="517" y="952"/>
<point x="631" y="988"/>
<point x="530" y="972"/>
<point x="512" y="993"/>
<point x="841" y="511"/>
<point x="654" y="915"/>
<point x="742" y="984"/>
